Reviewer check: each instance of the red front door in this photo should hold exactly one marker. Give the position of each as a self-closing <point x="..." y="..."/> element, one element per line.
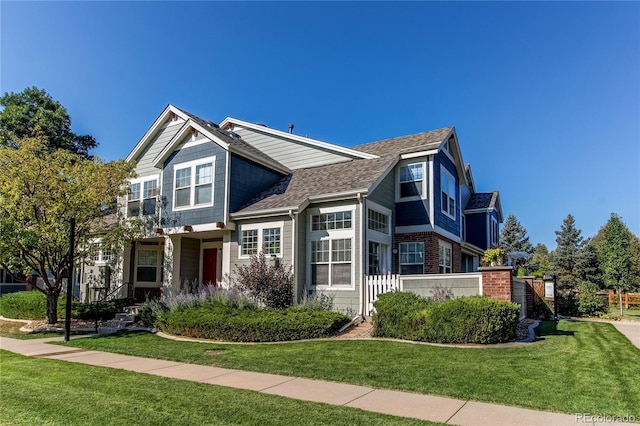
<point x="209" y="266"/>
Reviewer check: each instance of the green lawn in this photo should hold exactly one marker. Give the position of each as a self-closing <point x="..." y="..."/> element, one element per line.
<point x="631" y="314"/>
<point x="48" y="392"/>
<point x="576" y="367"/>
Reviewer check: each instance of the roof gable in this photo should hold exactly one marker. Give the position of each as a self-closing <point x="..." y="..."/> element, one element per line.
<point x="168" y="114"/>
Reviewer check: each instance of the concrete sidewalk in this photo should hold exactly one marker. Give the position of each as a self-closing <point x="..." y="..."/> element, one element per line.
<point x="424" y="407"/>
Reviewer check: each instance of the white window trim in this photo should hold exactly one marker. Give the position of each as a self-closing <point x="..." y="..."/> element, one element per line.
<point x="443" y="170"/>
<point x="192" y="196"/>
<point x="160" y="249"/>
<point x="425" y="175"/>
<point x="494" y="235"/>
<point x="382" y="210"/>
<point x="141" y="181"/>
<point x="446" y="246"/>
<point x="333" y="234"/>
<point x="400" y="255"/>
<point x="260" y="227"/>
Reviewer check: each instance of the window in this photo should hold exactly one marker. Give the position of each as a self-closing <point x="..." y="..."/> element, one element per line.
<point x="145" y="193"/>
<point x="448" y="190"/>
<point x="193" y="184"/>
<point x="148" y="265"/>
<point x="99" y="253"/>
<point x="378" y="221"/>
<point x="463" y="219"/>
<point x="271" y="241"/>
<point x="258" y="237"/>
<point x="331" y="262"/>
<point x="338" y="220"/>
<point x="250" y="242"/>
<point x="374" y="258"/>
<point x="411" y="258"/>
<point x="444" y="257"/>
<point x="494" y="232"/>
<point x="411" y="180"/>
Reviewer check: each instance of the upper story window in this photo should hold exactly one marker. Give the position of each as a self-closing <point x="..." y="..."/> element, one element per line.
<point x="143" y="197"/>
<point x="495" y="235"/>
<point x="412" y="180"/>
<point x="378" y="221"/>
<point x="266" y="237"/>
<point x="326" y="221"/>
<point x="448" y="191"/>
<point x="411" y="258"/>
<point x="193" y="184"/>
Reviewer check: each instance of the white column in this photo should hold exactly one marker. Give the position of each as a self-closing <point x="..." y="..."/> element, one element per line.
<point x="171" y="265"/>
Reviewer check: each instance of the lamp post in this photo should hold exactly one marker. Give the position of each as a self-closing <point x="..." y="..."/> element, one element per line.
<point x="67" y="317"/>
<point x="551" y="292"/>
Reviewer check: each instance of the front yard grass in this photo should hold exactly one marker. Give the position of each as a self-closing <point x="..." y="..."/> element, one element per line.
<point x="575" y="367"/>
<point x="49" y="392"/>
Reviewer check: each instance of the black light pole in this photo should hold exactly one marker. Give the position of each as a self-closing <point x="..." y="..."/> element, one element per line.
<point x="70" y="274"/>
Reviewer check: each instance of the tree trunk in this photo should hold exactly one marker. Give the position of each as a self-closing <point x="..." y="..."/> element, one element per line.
<point x="52" y="306"/>
<point x="620" y="297"/>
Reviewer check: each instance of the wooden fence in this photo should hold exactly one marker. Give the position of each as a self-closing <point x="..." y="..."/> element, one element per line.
<point x="627" y="299"/>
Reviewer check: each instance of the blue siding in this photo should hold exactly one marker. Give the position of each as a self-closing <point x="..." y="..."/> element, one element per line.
<point x="196" y="216"/>
<point x="412" y="213"/>
<point x="442" y="220"/>
<point x="248" y="179"/>
<point x="477" y="231"/>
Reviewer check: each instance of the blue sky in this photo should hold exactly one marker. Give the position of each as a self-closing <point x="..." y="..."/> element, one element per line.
<point x="545" y="96"/>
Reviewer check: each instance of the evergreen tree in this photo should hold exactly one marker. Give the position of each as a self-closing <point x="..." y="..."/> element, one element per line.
<point x="514" y="239"/>
<point x="565" y="257"/>
<point x="540" y="261"/>
<point x="588" y="265"/>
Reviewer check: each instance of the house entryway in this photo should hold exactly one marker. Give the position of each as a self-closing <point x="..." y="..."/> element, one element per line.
<point x="210" y="266"/>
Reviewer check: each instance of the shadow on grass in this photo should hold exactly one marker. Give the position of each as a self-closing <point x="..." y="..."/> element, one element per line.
<point x="550" y="328"/>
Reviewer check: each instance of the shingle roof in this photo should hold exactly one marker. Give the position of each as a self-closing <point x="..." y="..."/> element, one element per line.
<point x="405" y="144"/>
<point x="292" y="191"/>
<point x="482" y="200"/>
<point x="235" y="141"/>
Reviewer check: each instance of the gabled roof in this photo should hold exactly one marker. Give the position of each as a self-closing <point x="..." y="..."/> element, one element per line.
<point x="484" y="201"/>
<point x="349" y="152"/>
<point x="155" y="127"/>
<point x="294" y="192"/>
<point x="228" y="140"/>
<point x="419" y="142"/>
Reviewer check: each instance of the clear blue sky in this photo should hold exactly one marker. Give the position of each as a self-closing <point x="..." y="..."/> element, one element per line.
<point x="544" y="96"/>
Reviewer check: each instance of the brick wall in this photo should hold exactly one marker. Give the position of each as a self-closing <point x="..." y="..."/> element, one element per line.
<point x="431" y="251"/>
<point x="497" y="283"/>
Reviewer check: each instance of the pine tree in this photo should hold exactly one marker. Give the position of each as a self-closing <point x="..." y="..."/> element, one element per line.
<point x="514" y="239"/>
<point x="540" y="261"/>
<point x="565" y="256"/>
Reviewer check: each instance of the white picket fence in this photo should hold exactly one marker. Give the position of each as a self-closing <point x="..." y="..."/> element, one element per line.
<point x="375" y="285"/>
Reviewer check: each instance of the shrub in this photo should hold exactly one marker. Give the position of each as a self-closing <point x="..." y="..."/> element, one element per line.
<point x="219" y="322"/>
<point x="318" y="301"/>
<point x="271" y="285"/>
<point x="589" y="302"/>
<point x="28" y="305"/>
<point x="105" y="309"/>
<point x="476" y="319"/>
<point x="394" y="315"/>
<point x="567" y="303"/>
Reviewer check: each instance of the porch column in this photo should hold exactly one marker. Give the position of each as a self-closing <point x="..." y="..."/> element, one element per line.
<point x="497" y="282"/>
<point x="171" y="265"/>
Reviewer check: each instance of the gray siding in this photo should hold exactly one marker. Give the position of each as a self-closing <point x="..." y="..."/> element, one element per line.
<point x="292" y="154"/>
<point x="286" y="240"/>
<point x="385" y="193"/>
<point x="201" y="215"/>
<point x="189" y="259"/>
<point x="144" y="166"/>
<point x="460" y="286"/>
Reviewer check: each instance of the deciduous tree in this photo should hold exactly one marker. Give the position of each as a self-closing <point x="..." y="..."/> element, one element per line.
<point x="39" y="191"/>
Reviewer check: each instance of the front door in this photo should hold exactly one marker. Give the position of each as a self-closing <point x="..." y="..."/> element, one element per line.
<point x="209" y="266"/>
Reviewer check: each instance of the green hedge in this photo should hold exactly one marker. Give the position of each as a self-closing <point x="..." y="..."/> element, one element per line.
<point x="32" y="305"/>
<point x="475" y="319"/>
<point x="250" y="325"/>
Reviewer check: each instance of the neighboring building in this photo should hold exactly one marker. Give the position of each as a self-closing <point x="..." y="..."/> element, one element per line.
<point x="213" y="195"/>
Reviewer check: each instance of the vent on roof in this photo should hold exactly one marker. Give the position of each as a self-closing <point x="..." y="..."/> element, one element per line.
<point x="291" y="128"/>
<point x="261" y="124"/>
<point x="212" y="124"/>
<point x="233" y="134"/>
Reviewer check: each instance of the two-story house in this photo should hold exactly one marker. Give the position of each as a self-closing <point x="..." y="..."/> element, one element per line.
<point x="215" y="194"/>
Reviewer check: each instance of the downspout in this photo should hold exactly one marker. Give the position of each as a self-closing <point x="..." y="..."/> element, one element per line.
<point x="363" y="238"/>
<point x="293" y="249"/>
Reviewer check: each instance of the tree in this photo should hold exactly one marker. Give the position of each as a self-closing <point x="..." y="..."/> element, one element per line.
<point x="565" y="257"/>
<point x="514" y="239"/>
<point x="34" y="113"/>
<point x="39" y="191"/>
<point x="618" y="257"/>
<point x="540" y="261"/>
